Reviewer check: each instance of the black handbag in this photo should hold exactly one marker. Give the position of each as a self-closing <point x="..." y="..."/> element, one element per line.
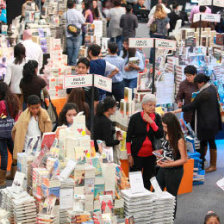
<point x="73" y="29"/>
<point x="6" y="125"/>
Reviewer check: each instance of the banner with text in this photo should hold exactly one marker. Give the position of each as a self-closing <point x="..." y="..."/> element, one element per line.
<point x="103" y="83"/>
<point x="140" y="42"/>
<point x="76" y="81"/>
<point x="207" y="17"/>
<point x="166" y="44"/>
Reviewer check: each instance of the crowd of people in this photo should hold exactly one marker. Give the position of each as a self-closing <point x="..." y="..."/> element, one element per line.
<point x="23" y="95"/>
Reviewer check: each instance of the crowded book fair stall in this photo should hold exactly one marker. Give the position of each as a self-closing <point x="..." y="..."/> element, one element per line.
<point x="67" y="174"/>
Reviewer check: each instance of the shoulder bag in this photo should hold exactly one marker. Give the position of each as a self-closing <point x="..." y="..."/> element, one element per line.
<point x="72" y="29"/>
<point x="6" y="124"/>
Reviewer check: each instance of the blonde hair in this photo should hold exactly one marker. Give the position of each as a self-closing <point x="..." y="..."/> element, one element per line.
<point x="160" y="13"/>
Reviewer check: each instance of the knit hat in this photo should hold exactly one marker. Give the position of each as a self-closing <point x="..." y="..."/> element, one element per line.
<point x="149" y="98"/>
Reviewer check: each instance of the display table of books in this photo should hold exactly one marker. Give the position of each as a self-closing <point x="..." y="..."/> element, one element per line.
<point x="61" y="179"/>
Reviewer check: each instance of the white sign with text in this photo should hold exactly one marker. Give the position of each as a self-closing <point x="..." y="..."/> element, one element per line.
<point x="76" y="81"/>
<point x="219" y="3"/>
<point x="136" y="182"/>
<point x="166" y="44"/>
<point x="205" y="2"/>
<point x="103" y="83"/>
<point x="140" y="42"/>
<point x="207" y="17"/>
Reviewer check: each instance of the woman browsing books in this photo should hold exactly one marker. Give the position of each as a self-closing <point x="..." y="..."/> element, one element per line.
<point x="143" y="130"/>
<point x="174" y="155"/>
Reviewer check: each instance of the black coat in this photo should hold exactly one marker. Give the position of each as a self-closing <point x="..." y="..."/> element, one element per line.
<point x="208" y="113"/>
<point x="104" y="130"/>
<point x="137" y="132"/>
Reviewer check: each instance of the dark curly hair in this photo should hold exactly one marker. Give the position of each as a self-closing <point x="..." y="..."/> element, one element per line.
<point x="11" y="99"/>
<point x="29" y="71"/>
<point x="62" y="116"/>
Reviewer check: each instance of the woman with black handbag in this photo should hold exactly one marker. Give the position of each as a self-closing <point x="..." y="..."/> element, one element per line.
<point x="9" y="109"/>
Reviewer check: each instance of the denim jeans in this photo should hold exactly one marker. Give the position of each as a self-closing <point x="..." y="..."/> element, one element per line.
<point x="73" y="46"/>
<point x="117" y="91"/>
<point x="4" y="144"/>
<point x="130" y="83"/>
<point x="119" y="41"/>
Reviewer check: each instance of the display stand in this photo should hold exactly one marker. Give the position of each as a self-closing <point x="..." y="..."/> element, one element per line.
<point x="153" y="43"/>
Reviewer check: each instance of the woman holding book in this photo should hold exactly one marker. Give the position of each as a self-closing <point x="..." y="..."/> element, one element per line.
<point x="208" y="118"/>
<point x="174" y="155"/>
<point x="143" y="130"/>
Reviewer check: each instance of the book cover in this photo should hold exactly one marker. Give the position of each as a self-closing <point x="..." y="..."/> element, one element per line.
<point x="48" y="139"/>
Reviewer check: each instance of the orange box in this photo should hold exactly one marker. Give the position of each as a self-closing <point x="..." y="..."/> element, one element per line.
<point x="186" y="184"/>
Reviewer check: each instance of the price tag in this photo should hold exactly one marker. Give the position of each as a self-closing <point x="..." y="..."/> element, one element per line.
<point x="166" y="44"/>
<point x="76" y="81"/>
<point x="196" y="17"/>
<point x="103" y="83"/>
<point x="140" y="42"/>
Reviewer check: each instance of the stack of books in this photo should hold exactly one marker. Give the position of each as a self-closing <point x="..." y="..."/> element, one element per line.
<point x="24" y="209"/>
<point x="163" y="209"/>
<point x="148" y="207"/>
<point x="199" y="173"/>
<point x="138" y="205"/>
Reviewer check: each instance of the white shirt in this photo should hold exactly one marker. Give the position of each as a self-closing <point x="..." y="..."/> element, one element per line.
<point x="32" y="131"/>
<point x="154" y="9"/>
<point x="34" y="52"/>
<point x="14" y="74"/>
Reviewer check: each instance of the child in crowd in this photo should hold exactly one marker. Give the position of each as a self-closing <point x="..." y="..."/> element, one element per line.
<point x="100" y="66"/>
<point x="81" y="69"/>
<point x="33" y="122"/>
<point x="69" y="111"/>
<point x="117" y="80"/>
<point x="212" y="218"/>
<point x="170" y="172"/>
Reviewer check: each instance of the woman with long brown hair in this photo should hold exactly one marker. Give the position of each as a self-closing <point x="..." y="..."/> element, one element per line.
<point x="9" y="106"/>
<point x="174" y="152"/>
<point x="77" y="96"/>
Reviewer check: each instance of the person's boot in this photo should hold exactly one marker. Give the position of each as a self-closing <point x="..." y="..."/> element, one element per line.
<point x="213" y="159"/>
<point x="12" y="173"/>
<point x="2" y="178"/>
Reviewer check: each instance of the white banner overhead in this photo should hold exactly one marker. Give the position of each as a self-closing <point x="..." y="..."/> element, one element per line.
<point x="76" y="81"/>
<point x="204" y="2"/>
<point x="207" y="17"/>
<point x="140" y="42"/>
<point x="211" y="17"/>
<point x="102" y="82"/>
<point x="166" y="44"/>
<point x="219" y="3"/>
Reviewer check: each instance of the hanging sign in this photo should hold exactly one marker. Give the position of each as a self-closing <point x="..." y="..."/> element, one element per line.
<point x="140" y="42"/>
<point x="166" y="44"/>
<point x="103" y="83"/>
<point x="76" y="81"/>
<point x="205" y="2"/>
<point x="215" y="18"/>
<point x="219" y="3"/>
